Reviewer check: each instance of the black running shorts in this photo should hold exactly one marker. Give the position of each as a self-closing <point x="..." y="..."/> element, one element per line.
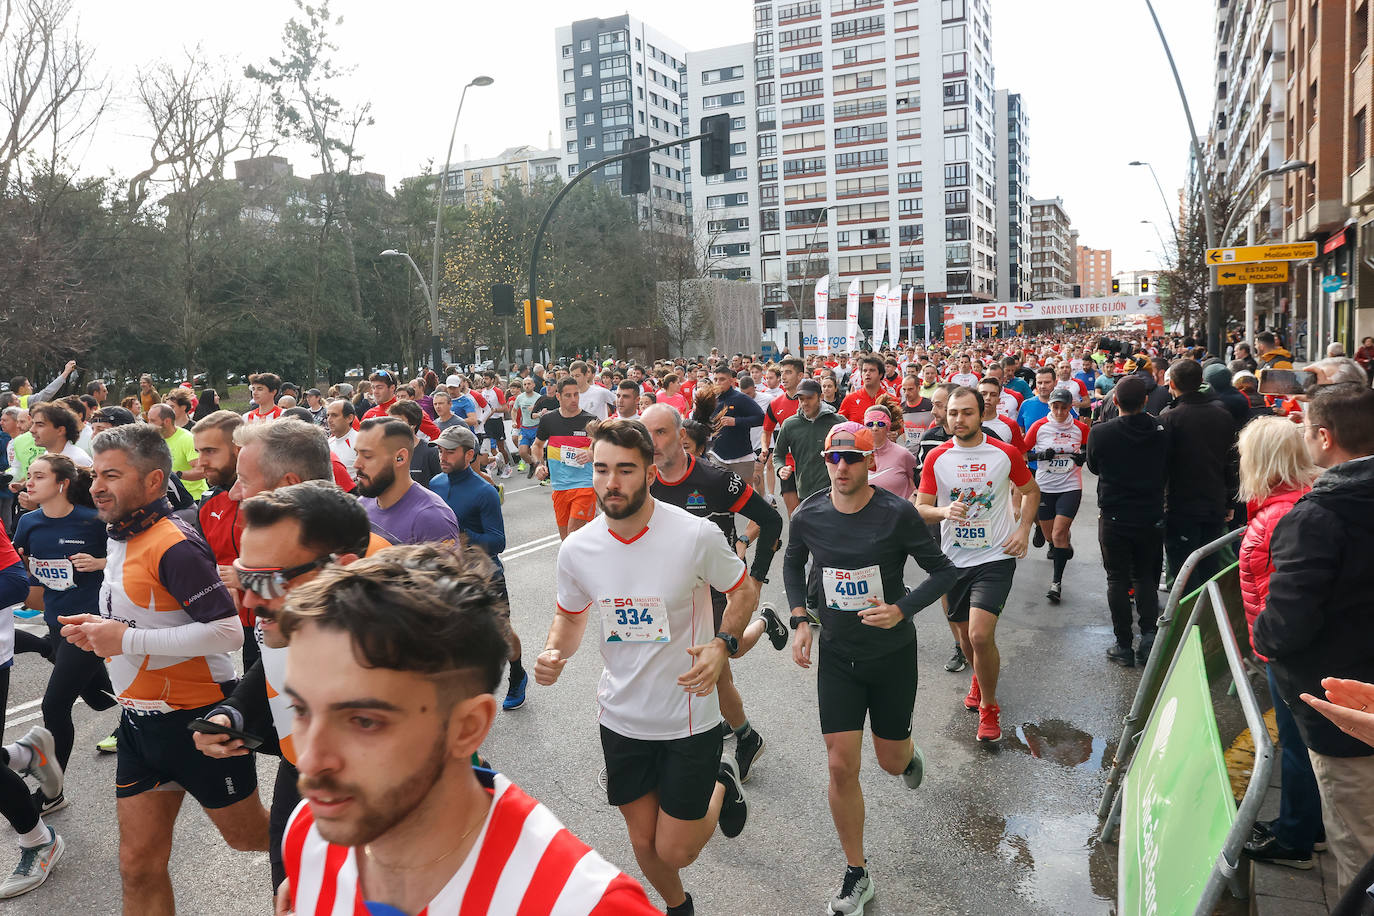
<point x="984" y="586"/>
<point x="494" y="429"/>
<point x="1065" y="504"/>
<point x="156" y="751"/>
<point x="681" y="770"/>
<point x="881" y="689"/>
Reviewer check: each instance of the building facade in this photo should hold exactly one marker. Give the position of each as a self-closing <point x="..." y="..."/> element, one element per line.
<point x="1094" y="273"/>
<point x="1052" y="252"/>
<point x="618" y="78"/>
<point x="473" y="181"/>
<point x="1013" y="197"/>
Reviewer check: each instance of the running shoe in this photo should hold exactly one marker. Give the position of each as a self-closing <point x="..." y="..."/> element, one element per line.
<point x="915" y="771"/>
<point x="43" y="765"/>
<point x="1055" y="592"/>
<point x="529" y="471"/>
<point x="747" y="750"/>
<point x="500" y="494"/>
<point x="1039" y="539"/>
<point x="108" y="746"/>
<point x="685" y="908"/>
<point x="45" y="806"/>
<point x="989" y="724"/>
<point x="956" y="662"/>
<point x="734" y="811"/>
<point x="855" y="891"/>
<point x="774" y="627"/>
<point x="975" y="696"/>
<point x="1122" y="655"/>
<point x="35" y="864"/>
<point x="506" y="472"/>
<point x="515" y="695"/>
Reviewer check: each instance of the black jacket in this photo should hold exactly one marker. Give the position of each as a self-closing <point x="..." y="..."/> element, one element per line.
<point x="1156" y="396"/>
<point x="1236" y="404"/>
<point x="1202" y="469"/>
<point x="1318" y="620"/>
<point x="1128" y="455"/>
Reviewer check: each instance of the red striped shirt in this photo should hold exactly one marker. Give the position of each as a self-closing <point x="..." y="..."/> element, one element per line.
<point x="524" y="863"/>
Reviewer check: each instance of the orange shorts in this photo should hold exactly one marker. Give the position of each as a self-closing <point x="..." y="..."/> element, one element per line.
<point x="579" y="504"/>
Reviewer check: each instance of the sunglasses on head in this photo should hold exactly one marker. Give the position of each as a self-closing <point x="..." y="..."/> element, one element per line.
<point x="269" y="582"/>
<point x="846" y="457"/>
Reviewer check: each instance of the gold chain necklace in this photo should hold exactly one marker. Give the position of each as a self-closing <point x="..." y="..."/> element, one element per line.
<point x="367" y="850"/>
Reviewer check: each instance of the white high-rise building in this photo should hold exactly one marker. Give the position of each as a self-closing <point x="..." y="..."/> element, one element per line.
<point x="1013" y="198"/>
<point x="618" y="78"/>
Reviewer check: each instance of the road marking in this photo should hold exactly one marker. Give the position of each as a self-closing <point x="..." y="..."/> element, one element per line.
<point x="22" y="719"/>
<point x="529" y="547"/>
<point x="21" y="707"/>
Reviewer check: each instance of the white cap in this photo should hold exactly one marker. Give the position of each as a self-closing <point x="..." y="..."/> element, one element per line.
<point x="453" y="381"/>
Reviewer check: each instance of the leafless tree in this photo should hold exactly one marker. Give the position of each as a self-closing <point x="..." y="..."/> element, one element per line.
<point x="684" y="306"/>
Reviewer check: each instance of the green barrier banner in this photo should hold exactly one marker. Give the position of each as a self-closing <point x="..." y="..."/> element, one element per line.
<point x="1177" y="807"/>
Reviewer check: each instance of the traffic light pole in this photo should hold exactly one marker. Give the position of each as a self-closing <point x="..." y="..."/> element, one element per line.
<point x="558" y="198"/>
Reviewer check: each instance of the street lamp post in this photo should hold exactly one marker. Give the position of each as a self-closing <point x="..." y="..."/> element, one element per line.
<point x="433" y="294"/>
<point x="1173" y="224"/>
<point x="1159" y="235"/>
<point x="429" y="300"/>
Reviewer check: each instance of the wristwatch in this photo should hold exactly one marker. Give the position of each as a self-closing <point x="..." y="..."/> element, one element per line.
<point x="744" y="539"/>
<point x="731" y="643"/>
<point x="797" y="620"/>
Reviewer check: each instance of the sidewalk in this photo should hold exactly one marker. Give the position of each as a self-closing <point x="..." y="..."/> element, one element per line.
<point x="1276" y="890"/>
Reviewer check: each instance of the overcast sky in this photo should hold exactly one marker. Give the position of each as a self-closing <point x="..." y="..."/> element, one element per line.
<point x="1093" y="76"/>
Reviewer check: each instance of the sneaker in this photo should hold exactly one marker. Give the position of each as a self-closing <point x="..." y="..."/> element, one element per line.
<point x="975" y="696"/>
<point x="734" y="811"/>
<point x="35" y="864"/>
<point x="915" y="771"/>
<point x="1142" y="651"/>
<point x="774" y="627"/>
<point x="500" y="494"/>
<point x="1122" y="655"/>
<point x="515" y="695"/>
<point x="1319" y="844"/>
<point x="544" y="482"/>
<point x="1054" y="593"/>
<point x="1039" y="538"/>
<point x="989" y="724"/>
<point x="529" y="471"/>
<point x="45" y="806"/>
<point x="956" y="662"/>
<point x="1275" y="853"/>
<point x="108" y="746"/>
<point x="507" y="472"/>
<point x="855" y="891"/>
<point x="43" y="765"/>
<point x="748" y="750"/>
<point x="685" y="908"/>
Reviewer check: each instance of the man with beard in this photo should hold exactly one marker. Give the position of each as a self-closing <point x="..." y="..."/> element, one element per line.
<point x="644" y="567"/>
<point x="391" y="668"/>
<point x="218" y="514"/>
<point x="401" y="511"/>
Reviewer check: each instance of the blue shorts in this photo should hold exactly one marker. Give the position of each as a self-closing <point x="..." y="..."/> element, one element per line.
<point x="528" y="435"/>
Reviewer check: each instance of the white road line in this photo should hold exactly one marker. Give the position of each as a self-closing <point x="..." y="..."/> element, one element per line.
<point x="529" y="547"/>
<point x="21" y="707"/>
<point x="22" y="719"/>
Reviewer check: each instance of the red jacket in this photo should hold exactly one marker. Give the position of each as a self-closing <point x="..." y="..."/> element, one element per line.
<point x="1255" y="564"/>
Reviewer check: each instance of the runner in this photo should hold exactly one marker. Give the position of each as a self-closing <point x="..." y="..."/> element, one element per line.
<point x="592" y="399"/>
<point x="801" y="438"/>
<point x="561" y="450"/>
<point x="477" y="506"/>
<point x="858" y="538"/>
<point x="894" y="468"/>
<point x="871" y="370"/>
<point x="54" y="430"/>
<point x="660" y="714"/>
<point x="263" y="389"/>
<point x="527" y="419"/>
<point x="993" y="419"/>
<point x="401" y="510"/>
<point x="711" y="492"/>
<point x="40" y="847"/>
<point x="494" y="424"/>
<point x="732" y="424"/>
<point x="182" y="445"/>
<point x="424" y="457"/>
<point x="966" y="485"/>
<point x="339" y="419"/>
<point x="1057" y="444"/>
<point x="783" y="405"/>
<point x="166" y="625"/>
<point x="918" y="411"/>
<point x="627" y="400"/>
<point x="964" y="375"/>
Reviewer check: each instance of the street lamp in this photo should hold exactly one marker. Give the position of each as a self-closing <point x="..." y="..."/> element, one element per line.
<point x="437" y="354"/>
<point x="1162" y="196"/>
<point x="1164" y="248"/>
<point x="1241" y="207"/>
<point x="429" y="300"/>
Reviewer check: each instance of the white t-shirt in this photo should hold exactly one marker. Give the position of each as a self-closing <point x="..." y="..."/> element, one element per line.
<point x="967" y="379"/>
<point x="984" y="477"/>
<point x="343" y="450"/>
<point x="665" y="572"/>
<point x="1059" y="474"/>
<point x="762" y="397"/>
<point x="78" y="457"/>
<point x="597" y="401"/>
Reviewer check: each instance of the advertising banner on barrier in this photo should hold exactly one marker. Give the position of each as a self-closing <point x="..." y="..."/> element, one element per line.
<point x="1177" y="806"/>
<point x="1041" y="309"/>
<point x="851" y="317"/>
<point x="822" y="313"/>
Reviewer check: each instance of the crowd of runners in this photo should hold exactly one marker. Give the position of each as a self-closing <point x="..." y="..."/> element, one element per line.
<point x="345" y="542"/>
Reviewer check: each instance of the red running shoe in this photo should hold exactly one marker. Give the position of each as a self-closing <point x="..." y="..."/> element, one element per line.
<point x="975" y="696"/>
<point x="989" y="724"/>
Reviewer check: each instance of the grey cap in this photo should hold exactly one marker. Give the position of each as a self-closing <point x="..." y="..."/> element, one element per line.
<point x="457" y="438"/>
<point x="1061" y="395"/>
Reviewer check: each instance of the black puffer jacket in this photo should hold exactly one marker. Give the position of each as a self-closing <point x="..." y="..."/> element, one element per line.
<point x="1203" y="474"/>
<point x="1319" y="618"/>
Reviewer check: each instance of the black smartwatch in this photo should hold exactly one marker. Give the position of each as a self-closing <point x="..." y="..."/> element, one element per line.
<point x="797" y="620"/>
<point x="731" y="643"/>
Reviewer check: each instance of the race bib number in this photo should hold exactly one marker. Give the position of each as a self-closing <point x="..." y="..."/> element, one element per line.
<point x="571" y="456"/>
<point x="57" y="575"/>
<point x="851" y="589"/>
<point x="634" y="619"/>
<point x="1060" y="465"/>
<point x="971" y="537"/>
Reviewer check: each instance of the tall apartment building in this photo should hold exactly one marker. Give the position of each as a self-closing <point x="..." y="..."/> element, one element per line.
<point x="1329" y="95"/>
<point x="474" y="180"/>
<point x="618" y="78"/>
<point x="857" y="176"/>
<point x="1094" y="271"/>
<point x="1052" y="250"/>
<point x="724" y="208"/>
<point x="1013" y="197"/>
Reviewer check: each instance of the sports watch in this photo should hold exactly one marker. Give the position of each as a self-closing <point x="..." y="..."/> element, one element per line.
<point x="731" y="643"/>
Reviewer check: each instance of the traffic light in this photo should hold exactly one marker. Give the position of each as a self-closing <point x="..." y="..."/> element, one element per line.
<point x="545" y="316"/>
<point x="1116" y="286"/>
<point x="1144" y="284"/>
<point x="529" y="325"/>
<point x="634" y="172"/>
<point x="715" y="147"/>
<point x="502" y="300"/>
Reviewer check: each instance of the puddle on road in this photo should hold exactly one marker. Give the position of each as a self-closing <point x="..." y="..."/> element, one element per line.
<point x="1062" y="866"/>
<point x="1059" y="742"/>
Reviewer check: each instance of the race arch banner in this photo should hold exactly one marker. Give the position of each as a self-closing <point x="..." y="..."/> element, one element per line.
<point x="1042" y="309"/>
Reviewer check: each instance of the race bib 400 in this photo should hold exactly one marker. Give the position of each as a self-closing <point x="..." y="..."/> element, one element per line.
<point x="851" y="589"/>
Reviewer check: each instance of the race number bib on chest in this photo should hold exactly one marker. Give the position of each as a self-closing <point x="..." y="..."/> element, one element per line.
<point x="57" y="575"/>
<point x="643" y="619"/>
<point x="972" y="536"/>
<point x="851" y="589"/>
<point x="1060" y="465"/>
<point x="571" y="456"/>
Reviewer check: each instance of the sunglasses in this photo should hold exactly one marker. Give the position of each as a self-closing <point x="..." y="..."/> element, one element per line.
<point x="846" y="457"/>
<point x="876" y="424"/>
<point x="270" y="582"/>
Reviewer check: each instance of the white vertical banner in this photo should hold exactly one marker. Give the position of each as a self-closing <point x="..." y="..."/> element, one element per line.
<point x="851" y="316"/>
<point x="894" y="314"/>
<point x="822" y="312"/>
<point x="911" y="316"/>
<point x="925" y="315"/>
<point x="879" y="316"/>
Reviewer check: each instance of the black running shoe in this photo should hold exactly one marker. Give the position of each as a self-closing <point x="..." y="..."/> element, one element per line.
<point x="774" y="627"/>
<point x="748" y="750"/>
<point x="1039" y="539"/>
<point x="1055" y="592"/>
<point x="957" y="662"/>
<point x="734" y="811"/>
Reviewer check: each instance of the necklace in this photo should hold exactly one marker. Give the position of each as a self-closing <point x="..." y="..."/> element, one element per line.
<point x="367" y="850"/>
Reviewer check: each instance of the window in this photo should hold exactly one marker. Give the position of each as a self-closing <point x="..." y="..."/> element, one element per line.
<point x="768" y="171"/>
<point x="572" y="146"/>
<point x="795" y="38"/>
<point x="864" y="263"/>
<point x="909" y="152"/>
<point x="589" y="118"/>
<point x="768" y="144"/>
<point x="802" y="114"/>
<point x="615" y="116"/>
<point x="793" y="168"/>
<point x="802" y="191"/>
<point x="849" y="6"/>
<point x="861" y="133"/>
<point x="735" y="224"/>
<point x="727" y="200"/>
<point x="791" y="11"/>
<point x="763" y="68"/>
<point x="956" y="201"/>
<point x="569" y="123"/>
<point x="956" y="174"/>
<point x="908" y="181"/>
<point x="615" y="66"/>
<point x="866" y="212"/>
<point x="906" y="47"/>
<point x="801" y="63"/>
<point x="568" y="75"/>
<point x="612" y="42"/>
<point x="956" y="93"/>
<point x="763" y="94"/>
<point x="956" y="148"/>
<point x="567" y="50"/>
<point x="907" y="73"/>
<point x="857" y="237"/>
<point x="908" y="127"/>
<point x="951" y="9"/>
<point x="808" y="217"/>
<point x="957" y="229"/>
<point x="802" y="89"/>
<point x="861" y="159"/>
<point x="954" y="38"/>
<point x="863" y="79"/>
<point x="569" y="99"/>
<point x="811" y="139"/>
<point x="955" y="64"/>
<point x="857" y="187"/>
<point x="763" y="17"/>
<point x="956" y="120"/>
<point x="735" y="124"/>
<point x="763" y="42"/>
<point x="728" y="98"/>
<point x="615" y="91"/>
<point x="768" y="196"/>
<point x="905" y="19"/>
<point x="587" y="70"/>
<point x="724" y="74"/>
<point x="572" y="170"/>
<point x="589" y="143"/>
<point x="913" y="234"/>
<point x="855" y="108"/>
<point x="1358" y="145"/>
<point x="738" y="149"/>
<point x="854" y="54"/>
<point x="588" y="94"/>
<point x="849" y="28"/>
<point x="584" y="45"/>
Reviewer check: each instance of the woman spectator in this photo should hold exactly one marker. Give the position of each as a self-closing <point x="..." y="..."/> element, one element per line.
<point x="208" y="404"/>
<point x="1275" y="472"/>
<point x="671" y="393"/>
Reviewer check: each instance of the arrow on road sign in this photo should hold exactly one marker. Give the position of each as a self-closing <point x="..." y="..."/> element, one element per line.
<point x="1295" y="251"/>
<point x="1259" y="272"/>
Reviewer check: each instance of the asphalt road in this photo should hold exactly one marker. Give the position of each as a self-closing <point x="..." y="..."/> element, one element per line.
<point x="991" y="831"/>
